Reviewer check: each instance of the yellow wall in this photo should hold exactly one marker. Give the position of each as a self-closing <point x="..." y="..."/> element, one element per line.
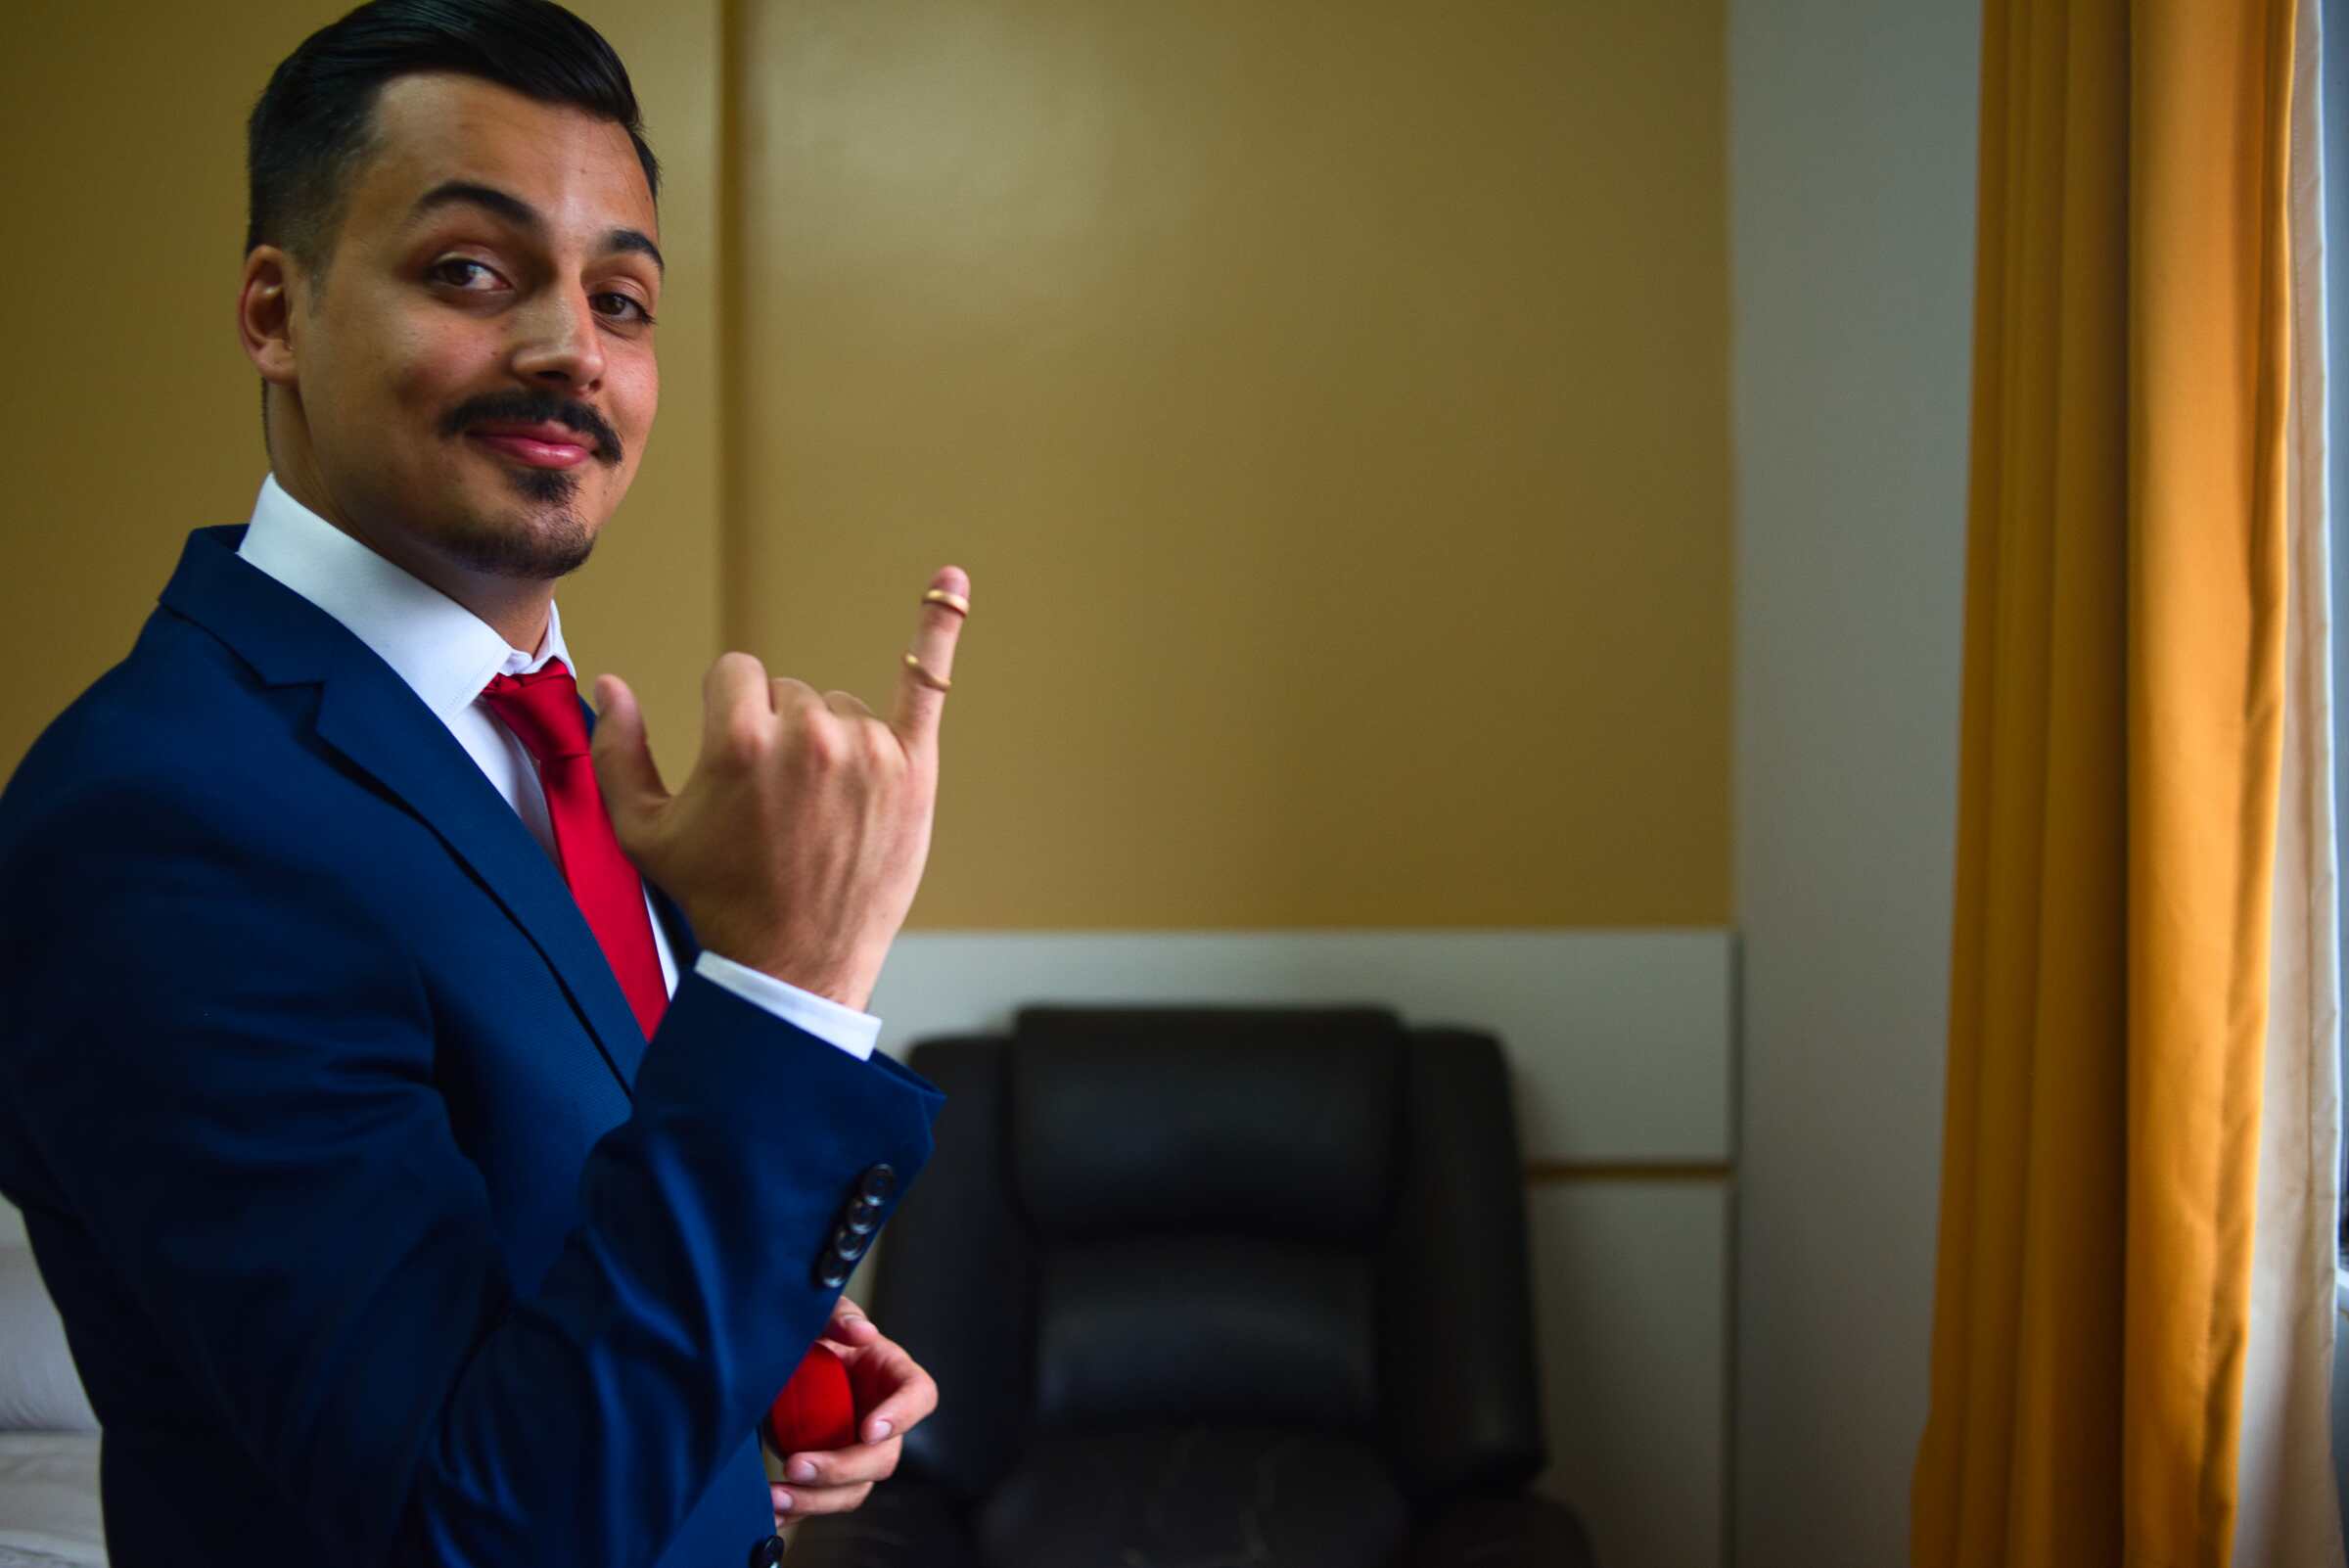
<point x="1329" y="400"/>
<point x="130" y="416"/>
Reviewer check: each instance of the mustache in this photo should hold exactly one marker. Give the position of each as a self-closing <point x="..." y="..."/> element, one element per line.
<point x="523" y="406"/>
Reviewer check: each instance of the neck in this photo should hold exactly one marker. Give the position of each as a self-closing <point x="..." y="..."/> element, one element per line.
<point x="516" y="608"/>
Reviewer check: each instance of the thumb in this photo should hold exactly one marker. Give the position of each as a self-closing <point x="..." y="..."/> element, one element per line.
<point x="849" y="1325"/>
<point x="625" y="771"/>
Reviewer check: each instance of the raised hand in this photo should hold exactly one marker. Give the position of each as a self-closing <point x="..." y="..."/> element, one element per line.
<point x="796" y="844"/>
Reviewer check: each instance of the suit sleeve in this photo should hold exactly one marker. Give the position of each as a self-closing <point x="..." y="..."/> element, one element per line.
<point x="225" y="1059"/>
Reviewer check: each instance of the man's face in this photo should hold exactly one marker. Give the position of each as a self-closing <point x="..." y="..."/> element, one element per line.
<point x="475" y="369"/>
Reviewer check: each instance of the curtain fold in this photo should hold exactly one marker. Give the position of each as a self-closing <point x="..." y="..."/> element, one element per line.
<point x="2287" y="1510"/>
<point x="2118" y="786"/>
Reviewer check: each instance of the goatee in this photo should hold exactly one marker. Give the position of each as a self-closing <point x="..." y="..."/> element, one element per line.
<point x="548" y="540"/>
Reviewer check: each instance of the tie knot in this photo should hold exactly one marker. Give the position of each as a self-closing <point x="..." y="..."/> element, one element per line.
<point x="542" y="710"/>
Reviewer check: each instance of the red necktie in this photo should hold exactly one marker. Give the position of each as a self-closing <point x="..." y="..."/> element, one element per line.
<point x="542" y="710"/>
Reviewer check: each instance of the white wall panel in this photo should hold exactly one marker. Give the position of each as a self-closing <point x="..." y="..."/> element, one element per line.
<point x="1632" y="1286"/>
<point x="1852" y="148"/>
<point x="1619" y="1041"/>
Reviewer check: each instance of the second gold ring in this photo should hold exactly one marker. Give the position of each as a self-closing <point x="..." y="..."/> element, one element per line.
<point x="923" y="673"/>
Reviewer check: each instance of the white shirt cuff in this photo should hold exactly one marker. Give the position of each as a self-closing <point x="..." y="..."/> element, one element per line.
<point x="827" y="1020"/>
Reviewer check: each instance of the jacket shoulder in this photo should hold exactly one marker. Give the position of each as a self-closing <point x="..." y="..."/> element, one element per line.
<point x="180" y="728"/>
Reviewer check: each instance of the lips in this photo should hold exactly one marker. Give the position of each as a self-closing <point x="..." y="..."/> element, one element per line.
<point x="538" y="445"/>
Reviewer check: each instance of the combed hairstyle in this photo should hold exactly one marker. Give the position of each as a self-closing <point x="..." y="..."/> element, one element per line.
<point x="310" y="131"/>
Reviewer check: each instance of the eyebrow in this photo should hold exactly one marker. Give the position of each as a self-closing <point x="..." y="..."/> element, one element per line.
<point x="519" y="212"/>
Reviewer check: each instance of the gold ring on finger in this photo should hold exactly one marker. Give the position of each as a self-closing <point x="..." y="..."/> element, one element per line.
<point x="952" y="601"/>
<point x="923" y="673"/>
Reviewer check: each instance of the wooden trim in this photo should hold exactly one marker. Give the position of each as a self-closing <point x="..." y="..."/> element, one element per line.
<point x="1545" y="1173"/>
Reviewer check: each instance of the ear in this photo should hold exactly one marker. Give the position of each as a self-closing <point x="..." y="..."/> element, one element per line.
<point x="265" y="314"/>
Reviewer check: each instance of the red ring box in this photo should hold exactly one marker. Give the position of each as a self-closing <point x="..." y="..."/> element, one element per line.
<point x="816" y="1409"/>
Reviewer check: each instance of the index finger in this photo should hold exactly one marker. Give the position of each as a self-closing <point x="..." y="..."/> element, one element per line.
<point x="920" y="701"/>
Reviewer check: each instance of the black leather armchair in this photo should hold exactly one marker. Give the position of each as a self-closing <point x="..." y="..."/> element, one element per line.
<point x="1208" y="1287"/>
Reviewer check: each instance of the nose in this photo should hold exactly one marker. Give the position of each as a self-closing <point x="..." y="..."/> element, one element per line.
<point x="558" y="343"/>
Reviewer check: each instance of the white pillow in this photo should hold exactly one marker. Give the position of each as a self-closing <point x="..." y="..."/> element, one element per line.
<point x="39" y="1390"/>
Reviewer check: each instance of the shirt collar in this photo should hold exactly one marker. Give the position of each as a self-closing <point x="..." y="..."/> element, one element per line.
<point x="443" y="651"/>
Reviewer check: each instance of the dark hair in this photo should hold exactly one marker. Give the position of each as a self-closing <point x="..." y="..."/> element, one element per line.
<point x="311" y="127"/>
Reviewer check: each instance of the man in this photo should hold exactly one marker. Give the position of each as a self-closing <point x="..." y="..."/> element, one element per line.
<point x="381" y="1231"/>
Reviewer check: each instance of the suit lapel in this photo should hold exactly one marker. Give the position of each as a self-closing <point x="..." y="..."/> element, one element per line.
<point x="369" y="715"/>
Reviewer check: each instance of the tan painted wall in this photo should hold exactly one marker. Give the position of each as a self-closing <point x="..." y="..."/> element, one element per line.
<point x="130" y="416"/>
<point x="130" y="413"/>
<point x="1330" y="401"/>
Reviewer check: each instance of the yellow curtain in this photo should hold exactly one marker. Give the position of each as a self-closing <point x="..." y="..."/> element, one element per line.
<point x="2123" y="647"/>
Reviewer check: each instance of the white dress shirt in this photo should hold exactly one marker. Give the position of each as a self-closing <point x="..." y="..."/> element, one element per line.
<point x="447" y="654"/>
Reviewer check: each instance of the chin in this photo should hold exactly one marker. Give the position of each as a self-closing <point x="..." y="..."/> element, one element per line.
<point x="549" y="536"/>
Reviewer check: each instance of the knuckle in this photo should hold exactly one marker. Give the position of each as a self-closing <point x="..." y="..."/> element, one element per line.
<point x="821" y="742"/>
<point x="745" y="736"/>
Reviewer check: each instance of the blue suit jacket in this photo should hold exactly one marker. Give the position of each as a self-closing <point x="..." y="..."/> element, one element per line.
<point x="379" y="1232"/>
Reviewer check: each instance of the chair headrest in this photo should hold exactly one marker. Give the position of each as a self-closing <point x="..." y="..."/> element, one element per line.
<point x="1265" y="1122"/>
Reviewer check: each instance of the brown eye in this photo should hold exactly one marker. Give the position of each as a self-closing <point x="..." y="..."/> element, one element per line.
<point x="463" y="272"/>
<point x="621" y="308"/>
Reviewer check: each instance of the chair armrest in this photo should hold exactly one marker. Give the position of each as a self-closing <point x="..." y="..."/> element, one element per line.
<point x="1528" y="1532"/>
